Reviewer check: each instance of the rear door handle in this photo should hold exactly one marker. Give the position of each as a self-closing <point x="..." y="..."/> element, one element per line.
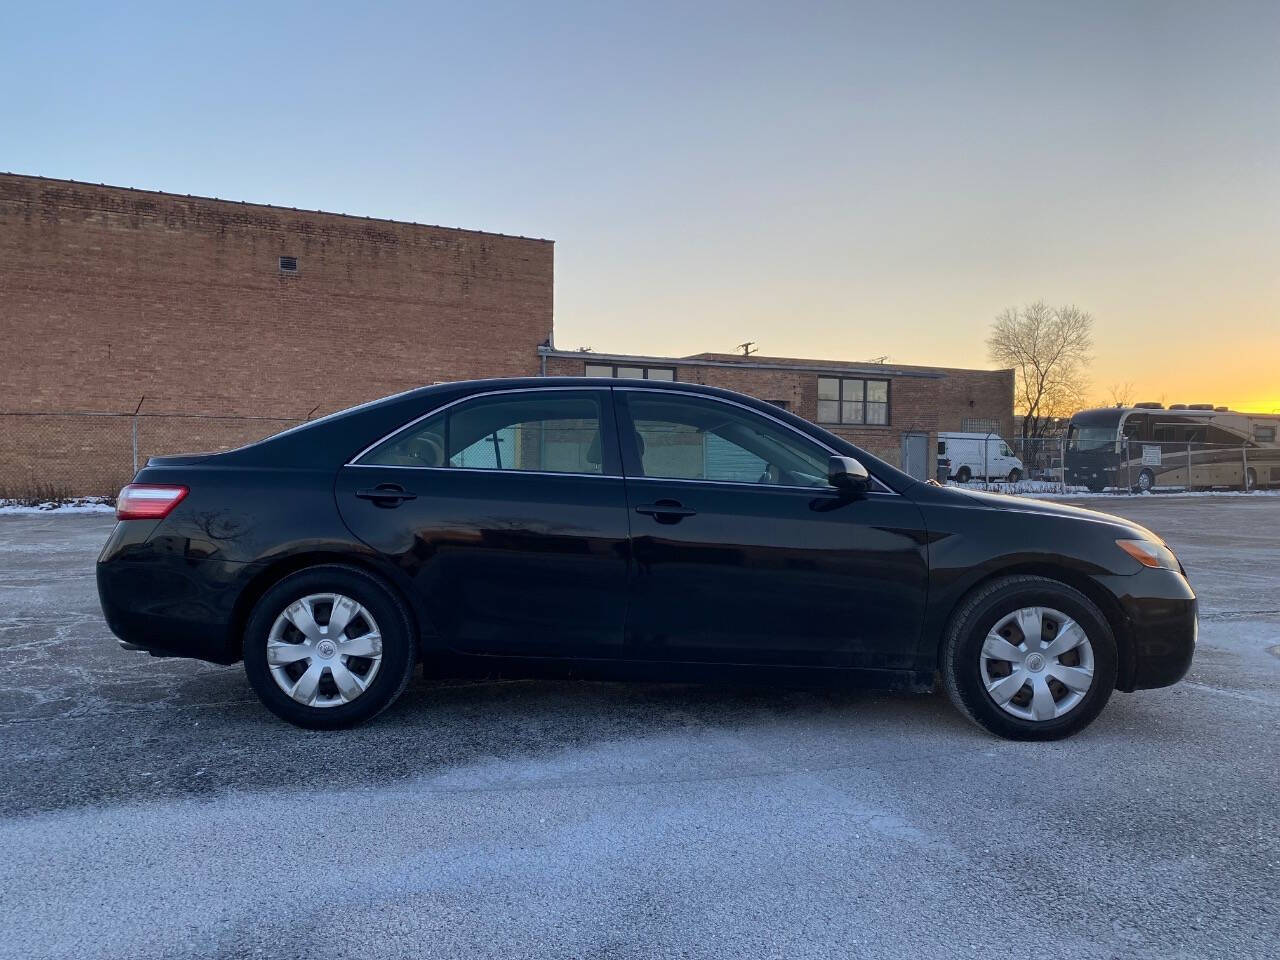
<point x="666" y="511"/>
<point x="387" y="495"/>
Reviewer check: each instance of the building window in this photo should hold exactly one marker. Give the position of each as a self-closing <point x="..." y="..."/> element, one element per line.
<point x="979" y="425"/>
<point x="853" y="400"/>
<point x="624" y="371"/>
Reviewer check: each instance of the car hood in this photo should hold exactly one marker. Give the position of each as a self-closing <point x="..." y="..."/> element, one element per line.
<point x="1002" y="501"/>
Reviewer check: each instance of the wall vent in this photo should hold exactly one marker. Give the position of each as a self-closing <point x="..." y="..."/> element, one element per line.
<point x="288" y="264"/>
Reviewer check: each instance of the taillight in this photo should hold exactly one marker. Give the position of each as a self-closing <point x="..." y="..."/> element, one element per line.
<point x="147" y="501"/>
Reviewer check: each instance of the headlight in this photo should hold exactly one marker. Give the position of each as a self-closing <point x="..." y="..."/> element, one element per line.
<point x="1149" y="553"/>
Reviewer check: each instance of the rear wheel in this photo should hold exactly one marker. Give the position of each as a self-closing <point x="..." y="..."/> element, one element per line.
<point x="1029" y="658"/>
<point x="328" y="647"/>
<point x="963" y="475"/>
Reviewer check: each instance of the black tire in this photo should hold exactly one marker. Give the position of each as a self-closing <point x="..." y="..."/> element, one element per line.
<point x="963" y="475"/>
<point x="394" y="625"/>
<point x="1015" y="475"/>
<point x="1146" y="481"/>
<point x="980" y="612"/>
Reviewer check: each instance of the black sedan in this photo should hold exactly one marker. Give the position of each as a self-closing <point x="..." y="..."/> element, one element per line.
<point x="628" y="528"/>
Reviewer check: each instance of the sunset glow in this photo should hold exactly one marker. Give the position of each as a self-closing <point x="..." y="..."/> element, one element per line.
<point x="827" y="181"/>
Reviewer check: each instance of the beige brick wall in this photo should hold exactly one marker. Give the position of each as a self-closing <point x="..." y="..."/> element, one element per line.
<point x="107" y="294"/>
<point x="938" y="400"/>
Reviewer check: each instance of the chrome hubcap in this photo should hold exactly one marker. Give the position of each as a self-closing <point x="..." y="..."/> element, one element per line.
<point x="1037" y="663"/>
<point x="324" y="650"/>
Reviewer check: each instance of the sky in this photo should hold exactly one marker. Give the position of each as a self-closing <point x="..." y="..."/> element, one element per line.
<point x="839" y="181"/>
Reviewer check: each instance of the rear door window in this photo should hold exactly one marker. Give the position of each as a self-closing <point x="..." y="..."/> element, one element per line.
<point x="542" y="431"/>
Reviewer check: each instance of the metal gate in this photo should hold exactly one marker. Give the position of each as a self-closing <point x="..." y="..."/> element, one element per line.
<point x="915" y="455"/>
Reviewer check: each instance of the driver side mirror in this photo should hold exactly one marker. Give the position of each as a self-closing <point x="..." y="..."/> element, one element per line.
<point x="848" y="476"/>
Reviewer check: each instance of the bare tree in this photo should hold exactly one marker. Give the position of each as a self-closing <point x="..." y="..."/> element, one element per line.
<point x="1121" y="394"/>
<point x="1049" y="350"/>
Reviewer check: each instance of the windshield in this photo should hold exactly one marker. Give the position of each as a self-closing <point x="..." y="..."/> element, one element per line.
<point x="1091" y="438"/>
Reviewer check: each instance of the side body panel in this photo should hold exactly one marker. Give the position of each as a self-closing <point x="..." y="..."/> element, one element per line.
<point x="177" y="586"/>
<point x="503" y="563"/>
<point x="762" y="575"/>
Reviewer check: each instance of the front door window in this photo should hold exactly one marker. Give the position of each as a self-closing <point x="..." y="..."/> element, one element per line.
<point x="690" y="438"/>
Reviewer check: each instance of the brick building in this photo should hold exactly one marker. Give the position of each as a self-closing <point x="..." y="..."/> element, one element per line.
<point x="214" y="307"/>
<point x="892" y="410"/>
<point x="235" y="320"/>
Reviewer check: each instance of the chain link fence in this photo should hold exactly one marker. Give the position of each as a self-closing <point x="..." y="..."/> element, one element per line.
<point x="57" y="456"/>
<point x="1059" y="465"/>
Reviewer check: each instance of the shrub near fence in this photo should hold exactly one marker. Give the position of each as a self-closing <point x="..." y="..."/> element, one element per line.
<point x="89" y="454"/>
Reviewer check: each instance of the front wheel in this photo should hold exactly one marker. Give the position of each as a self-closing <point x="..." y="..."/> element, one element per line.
<point x="328" y="647"/>
<point x="1029" y="658"/>
<point x="964" y="475"/>
<point x="1146" y="481"/>
<point x="1015" y="475"/>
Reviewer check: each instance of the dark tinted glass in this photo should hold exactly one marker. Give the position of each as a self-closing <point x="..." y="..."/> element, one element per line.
<point x="545" y="432"/>
<point x="693" y="439"/>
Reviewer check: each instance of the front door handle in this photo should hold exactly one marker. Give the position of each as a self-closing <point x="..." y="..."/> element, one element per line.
<point x="666" y="511"/>
<point x="387" y="495"/>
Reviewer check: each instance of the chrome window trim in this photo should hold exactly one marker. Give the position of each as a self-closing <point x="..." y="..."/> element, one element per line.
<point x="489" y="470"/>
<point x="759" y="413"/>
<point x="614" y="476"/>
<point x="355" y="461"/>
<point x="755" y="486"/>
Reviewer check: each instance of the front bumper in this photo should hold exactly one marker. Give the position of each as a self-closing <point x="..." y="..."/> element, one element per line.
<point x="1161" y="623"/>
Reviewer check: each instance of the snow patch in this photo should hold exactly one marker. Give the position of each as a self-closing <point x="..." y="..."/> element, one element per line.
<point x="76" y="505"/>
<point x="1052" y="490"/>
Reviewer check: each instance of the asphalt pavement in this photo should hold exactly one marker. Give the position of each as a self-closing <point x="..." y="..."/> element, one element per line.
<point x="151" y="808"/>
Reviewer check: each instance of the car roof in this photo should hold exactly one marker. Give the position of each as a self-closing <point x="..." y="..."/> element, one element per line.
<point x="350" y="430"/>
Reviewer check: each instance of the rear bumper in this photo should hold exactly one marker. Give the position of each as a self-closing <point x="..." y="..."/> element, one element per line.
<point x="166" y="604"/>
<point x="1162" y="625"/>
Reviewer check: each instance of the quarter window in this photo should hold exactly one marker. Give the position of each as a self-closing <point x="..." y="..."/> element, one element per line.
<point x="687" y="438"/>
<point x="544" y="432"/>
<point x="853" y="400"/>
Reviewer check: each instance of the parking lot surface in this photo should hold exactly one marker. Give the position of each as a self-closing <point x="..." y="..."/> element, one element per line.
<point x="151" y="808"/>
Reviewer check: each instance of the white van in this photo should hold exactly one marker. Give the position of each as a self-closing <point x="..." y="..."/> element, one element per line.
<point x="968" y="459"/>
